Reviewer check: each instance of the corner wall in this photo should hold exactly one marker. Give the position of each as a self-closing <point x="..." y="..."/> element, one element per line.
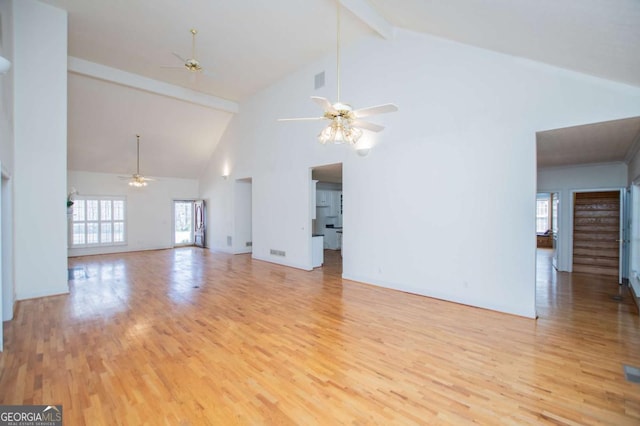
<point x="7" y="285"/>
<point x="6" y="88"/>
<point x="40" y="131"/>
<point x="444" y="206"/>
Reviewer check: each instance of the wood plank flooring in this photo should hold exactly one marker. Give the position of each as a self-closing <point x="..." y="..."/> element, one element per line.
<point x="190" y="337"/>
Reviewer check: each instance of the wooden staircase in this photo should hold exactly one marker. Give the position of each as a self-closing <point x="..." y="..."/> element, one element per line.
<point x="596" y="231"/>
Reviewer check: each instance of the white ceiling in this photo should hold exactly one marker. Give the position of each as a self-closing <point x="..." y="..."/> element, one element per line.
<point x="330" y="173"/>
<point x="176" y="138"/>
<point x="611" y="141"/>
<point x="597" y="37"/>
<point x="247" y="45"/>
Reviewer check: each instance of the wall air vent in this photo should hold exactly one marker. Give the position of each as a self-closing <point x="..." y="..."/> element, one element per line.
<point x="277" y="252"/>
<point x="249" y="244"/>
<point x="229" y="240"/>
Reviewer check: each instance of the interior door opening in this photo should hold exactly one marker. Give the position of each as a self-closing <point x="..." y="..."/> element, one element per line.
<point x="188" y="223"/>
<point x="545" y="219"/>
<point x="327" y="213"/>
<point x="555" y="229"/>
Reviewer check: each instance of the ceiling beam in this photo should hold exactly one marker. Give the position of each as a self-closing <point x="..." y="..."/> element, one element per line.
<point x="363" y="11"/>
<point x="113" y="75"/>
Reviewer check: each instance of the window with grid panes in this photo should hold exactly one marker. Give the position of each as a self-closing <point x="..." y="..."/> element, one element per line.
<point x="98" y="221"/>
<point x="542" y="216"/>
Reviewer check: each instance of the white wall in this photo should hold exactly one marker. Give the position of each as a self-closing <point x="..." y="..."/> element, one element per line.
<point x="565" y="181"/>
<point x="6" y="88"/>
<point x="40" y="130"/>
<point x="445" y="203"/>
<point x="634" y="246"/>
<point x="7" y="287"/>
<point x="633" y="179"/>
<point x="149" y="209"/>
<point x="6" y="229"/>
<point x="243" y="217"/>
<point x="633" y="174"/>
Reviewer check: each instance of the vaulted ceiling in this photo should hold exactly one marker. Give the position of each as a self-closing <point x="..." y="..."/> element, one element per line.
<point x="246" y="45"/>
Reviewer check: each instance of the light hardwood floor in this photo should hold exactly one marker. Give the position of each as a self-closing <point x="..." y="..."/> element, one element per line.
<point x="189" y="337"/>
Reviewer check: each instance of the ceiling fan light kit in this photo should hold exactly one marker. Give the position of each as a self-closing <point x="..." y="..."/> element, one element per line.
<point x="191" y="64"/>
<point x="345" y="124"/>
<point x="340" y="131"/>
<point x="136" y="182"/>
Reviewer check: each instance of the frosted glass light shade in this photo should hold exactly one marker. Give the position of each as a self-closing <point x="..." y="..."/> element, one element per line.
<point x="339" y="131"/>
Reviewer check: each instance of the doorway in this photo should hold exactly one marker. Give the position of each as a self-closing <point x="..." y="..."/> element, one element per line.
<point x="327" y="214"/>
<point x="555" y="229"/>
<point x="547" y="223"/>
<point x="188" y="223"/>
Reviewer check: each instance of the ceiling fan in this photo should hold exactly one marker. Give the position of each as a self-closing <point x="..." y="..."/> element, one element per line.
<point x="137" y="180"/>
<point x="345" y="122"/>
<point x="192" y="64"/>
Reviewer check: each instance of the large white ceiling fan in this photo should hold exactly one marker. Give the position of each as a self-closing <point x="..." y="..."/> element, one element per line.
<point x="191" y="64"/>
<point x="137" y="180"/>
<point x="346" y="124"/>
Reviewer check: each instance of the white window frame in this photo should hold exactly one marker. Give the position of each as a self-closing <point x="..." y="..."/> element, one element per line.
<point x="100" y="221"/>
<point x="543" y="216"/>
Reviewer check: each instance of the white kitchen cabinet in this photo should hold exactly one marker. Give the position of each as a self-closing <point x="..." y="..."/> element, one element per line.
<point x="322" y="198"/>
<point x="331" y="240"/>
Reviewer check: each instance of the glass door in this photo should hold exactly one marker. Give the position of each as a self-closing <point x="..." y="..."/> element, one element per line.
<point x="198" y="225"/>
<point x="183" y="223"/>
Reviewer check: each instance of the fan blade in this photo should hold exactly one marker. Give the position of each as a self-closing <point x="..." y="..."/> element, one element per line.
<point x="146" y="178"/>
<point x="324" y="103"/>
<point x="378" y="109"/>
<point x="179" y="57"/>
<point x="173" y="68"/>
<point x="366" y="125"/>
<point x="301" y="119"/>
<point x="124" y="177"/>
